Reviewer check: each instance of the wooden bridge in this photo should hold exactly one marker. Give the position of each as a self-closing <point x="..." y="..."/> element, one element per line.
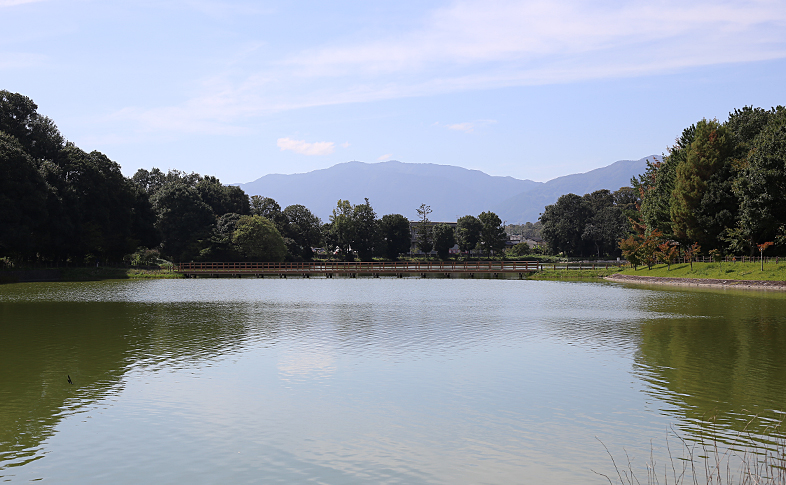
<point x="354" y="269"/>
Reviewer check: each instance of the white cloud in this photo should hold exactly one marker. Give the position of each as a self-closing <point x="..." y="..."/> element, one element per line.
<point x="469" y="126"/>
<point x="472" y="45"/>
<point x="11" y="3"/>
<point x="304" y="148"/>
<point x="385" y="157"/>
<point x="524" y="34"/>
<point x="345" y="145"/>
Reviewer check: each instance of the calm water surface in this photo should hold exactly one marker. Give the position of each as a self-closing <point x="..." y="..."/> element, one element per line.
<point x="374" y="380"/>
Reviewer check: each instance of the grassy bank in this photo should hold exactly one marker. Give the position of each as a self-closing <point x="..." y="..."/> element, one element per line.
<point x="572" y="274"/>
<point x="726" y="271"/>
<point x="98" y="274"/>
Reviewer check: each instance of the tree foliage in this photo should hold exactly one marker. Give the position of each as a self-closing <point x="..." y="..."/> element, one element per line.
<point x="592" y="224"/>
<point x="444" y="240"/>
<point x="257" y="239"/>
<point x="425" y="239"/>
<point x="395" y="234"/>
<point x="722" y="183"/>
<point x="339" y="234"/>
<point x="702" y="200"/>
<point x="492" y="234"/>
<point x="468" y="232"/>
<point x="304" y="229"/>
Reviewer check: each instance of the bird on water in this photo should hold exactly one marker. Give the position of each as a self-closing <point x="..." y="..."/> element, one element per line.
<point x="69" y="379"/>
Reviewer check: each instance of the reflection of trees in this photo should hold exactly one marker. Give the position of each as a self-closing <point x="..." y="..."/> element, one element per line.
<point x="96" y="343"/>
<point x="723" y="359"/>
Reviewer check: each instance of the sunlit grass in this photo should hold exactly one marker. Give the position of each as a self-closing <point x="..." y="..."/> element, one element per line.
<point x="726" y="271"/>
<point x="567" y="274"/>
<point x="103" y="273"/>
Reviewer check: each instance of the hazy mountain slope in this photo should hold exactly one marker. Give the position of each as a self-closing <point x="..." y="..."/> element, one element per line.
<point x="452" y="192"/>
<point x="392" y="187"/>
<point x="527" y="206"/>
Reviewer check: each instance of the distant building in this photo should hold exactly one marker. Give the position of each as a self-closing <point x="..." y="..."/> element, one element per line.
<point x="514" y="239"/>
<point x="413" y="233"/>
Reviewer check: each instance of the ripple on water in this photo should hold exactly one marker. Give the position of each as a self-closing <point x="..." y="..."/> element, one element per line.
<point x="357" y="380"/>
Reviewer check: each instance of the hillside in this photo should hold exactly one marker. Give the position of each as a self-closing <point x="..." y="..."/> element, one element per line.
<point x="527" y="206"/>
<point x="396" y="187"/>
<point x="392" y="187"/>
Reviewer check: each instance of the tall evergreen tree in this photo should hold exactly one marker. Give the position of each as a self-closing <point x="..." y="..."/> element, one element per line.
<point x="699" y="194"/>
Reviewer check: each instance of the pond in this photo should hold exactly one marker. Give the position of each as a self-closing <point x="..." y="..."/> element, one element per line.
<point x="377" y="380"/>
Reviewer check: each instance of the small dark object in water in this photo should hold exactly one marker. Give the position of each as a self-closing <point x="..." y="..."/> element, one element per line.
<point x="69" y="379"/>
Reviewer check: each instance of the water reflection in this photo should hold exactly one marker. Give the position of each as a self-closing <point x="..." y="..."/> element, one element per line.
<point x="96" y="344"/>
<point x="721" y="362"/>
<point x="416" y="381"/>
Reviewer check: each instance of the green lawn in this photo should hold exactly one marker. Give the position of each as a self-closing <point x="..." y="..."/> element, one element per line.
<point x="569" y="274"/>
<point x="724" y="271"/>
<point x="103" y="273"/>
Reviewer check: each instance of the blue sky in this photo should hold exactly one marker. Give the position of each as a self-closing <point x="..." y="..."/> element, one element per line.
<point x="530" y="89"/>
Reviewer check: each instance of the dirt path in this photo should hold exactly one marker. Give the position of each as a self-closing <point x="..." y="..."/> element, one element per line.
<point x="704" y="282"/>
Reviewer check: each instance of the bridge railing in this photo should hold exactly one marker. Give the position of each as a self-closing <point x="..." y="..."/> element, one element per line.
<point x="360" y="267"/>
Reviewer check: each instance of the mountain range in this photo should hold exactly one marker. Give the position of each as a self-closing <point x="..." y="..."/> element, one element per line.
<point x="399" y="188"/>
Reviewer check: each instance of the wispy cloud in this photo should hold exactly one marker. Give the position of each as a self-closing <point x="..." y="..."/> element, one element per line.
<point x="304" y="148"/>
<point x="11" y="3"/>
<point x="224" y="9"/>
<point x="385" y="157"/>
<point x="469" y="126"/>
<point x="472" y="44"/>
<point x="536" y="35"/>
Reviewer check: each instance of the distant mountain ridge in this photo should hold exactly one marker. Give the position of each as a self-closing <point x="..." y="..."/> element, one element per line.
<point x="527" y="206"/>
<point x="399" y="188"/>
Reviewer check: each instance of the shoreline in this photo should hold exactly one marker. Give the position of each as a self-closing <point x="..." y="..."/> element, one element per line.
<point x="699" y="282"/>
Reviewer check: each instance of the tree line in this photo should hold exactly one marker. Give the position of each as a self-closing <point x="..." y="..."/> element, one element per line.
<point x="720" y="190"/>
<point x="59" y="203"/>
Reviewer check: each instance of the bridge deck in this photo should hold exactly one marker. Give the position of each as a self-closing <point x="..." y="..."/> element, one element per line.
<point x="402" y="268"/>
<point x="355" y="268"/>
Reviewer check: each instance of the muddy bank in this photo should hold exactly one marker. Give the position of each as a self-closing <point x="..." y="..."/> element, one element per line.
<point x="704" y="282"/>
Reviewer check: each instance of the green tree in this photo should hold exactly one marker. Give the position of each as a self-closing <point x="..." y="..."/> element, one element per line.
<point x="519" y="250"/>
<point x="745" y="124"/>
<point x="761" y="184"/>
<point x="341" y="232"/>
<point x="257" y="239"/>
<point x="223" y="199"/>
<point x="395" y="232"/>
<point x="220" y="246"/>
<point x="23" y="196"/>
<point x="468" y="233"/>
<point x="185" y="222"/>
<point x="425" y="240"/>
<point x="656" y="185"/>
<point x="304" y="229"/>
<point x="564" y="224"/>
<point x="700" y="192"/>
<point x="607" y="223"/>
<point x="37" y="134"/>
<point x="492" y="234"/>
<point x="444" y="239"/>
<point x="98" y="201"/>
<point x="365" y="233"/>
<point x="270" y="210"/>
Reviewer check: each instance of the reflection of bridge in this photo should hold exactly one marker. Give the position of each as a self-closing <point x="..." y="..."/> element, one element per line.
<point x="353" y="269"/>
